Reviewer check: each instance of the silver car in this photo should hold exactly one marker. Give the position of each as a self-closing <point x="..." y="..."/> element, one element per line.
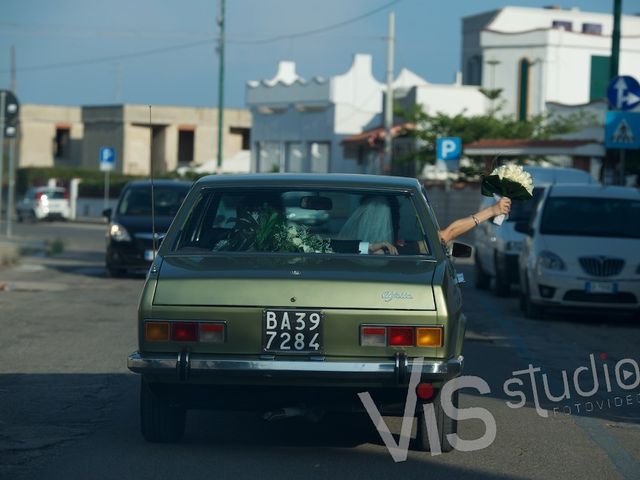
<point x="498" y="246"/>
<point x="41" y="203"/>
<point x="581" y="250"/>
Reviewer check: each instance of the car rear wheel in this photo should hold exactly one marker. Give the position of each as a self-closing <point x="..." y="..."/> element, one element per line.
<point x="481" y="279"/>
<point x="160" y="422"/>
<point x="445" y="425"/>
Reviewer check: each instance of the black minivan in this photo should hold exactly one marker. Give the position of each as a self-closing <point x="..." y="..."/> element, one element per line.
<point x="130" y="237"/>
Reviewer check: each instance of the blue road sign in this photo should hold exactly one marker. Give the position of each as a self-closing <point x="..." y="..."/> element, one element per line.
<point x="622" y="130"/>
<point x="448" y="148"/>
<point x="623" y="93"/>
<point x="107" y="159"/>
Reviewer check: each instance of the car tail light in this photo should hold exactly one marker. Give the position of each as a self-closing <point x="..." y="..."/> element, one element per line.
<point x="373" y="336"/>
<point x="401" y="336"/>
<point x="66" y="195"/>
<point x="184" y="332"/>
<point x="429" y="336"/>
<point x="156" y="331"/>
<point x="39" y="196"/>
<point x="212" y="332"/>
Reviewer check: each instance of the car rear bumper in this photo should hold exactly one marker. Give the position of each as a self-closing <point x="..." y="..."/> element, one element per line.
<point x="185" y="367"/>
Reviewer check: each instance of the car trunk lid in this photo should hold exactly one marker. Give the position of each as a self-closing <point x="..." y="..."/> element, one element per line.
<point x="317" y="281"/>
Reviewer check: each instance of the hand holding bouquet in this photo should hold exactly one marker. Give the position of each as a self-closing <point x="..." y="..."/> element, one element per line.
<point x="509" y="181"/>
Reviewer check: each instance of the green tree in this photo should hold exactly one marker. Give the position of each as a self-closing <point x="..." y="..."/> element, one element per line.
<point x="492" y="125"/>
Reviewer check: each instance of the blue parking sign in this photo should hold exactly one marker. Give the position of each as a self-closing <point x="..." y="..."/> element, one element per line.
<point x="107" y="159"/>
<point x="448" y="148"/>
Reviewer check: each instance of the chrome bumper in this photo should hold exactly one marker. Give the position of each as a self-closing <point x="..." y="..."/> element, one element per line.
<point x="185" y="367"/>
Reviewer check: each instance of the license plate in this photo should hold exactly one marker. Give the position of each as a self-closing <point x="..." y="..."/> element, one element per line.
<point x="148" y="255"/>
<point x="601" y="287"/>
<point x="292" y="331"/>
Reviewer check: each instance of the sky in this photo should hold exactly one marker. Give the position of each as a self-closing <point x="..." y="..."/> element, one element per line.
<point x="90" y="52"/>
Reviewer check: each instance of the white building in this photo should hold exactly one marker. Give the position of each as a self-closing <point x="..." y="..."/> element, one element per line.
<point x="450" y="99"/>
<point x="540" y="55"/>
<point x="300" y="125"/>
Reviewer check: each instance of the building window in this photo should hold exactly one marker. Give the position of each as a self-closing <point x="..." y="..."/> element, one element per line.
<point x="295" y="161"/>
<point x="320" y="156"/>
<point x="474" y="70"/>
<point x="185" y="145"/>
<point x="523" y="89"/>
<point x="62" y="143"/>
<point x="599" y="77"/>
<point x="268" y="157"/>
<point x="592" y="28"/>
<point x="562" y="25"/>
<point x="245" y="136"/>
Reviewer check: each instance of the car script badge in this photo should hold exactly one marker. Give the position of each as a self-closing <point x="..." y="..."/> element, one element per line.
<point x="389" y="295"/>
<point x="296" y="273"/>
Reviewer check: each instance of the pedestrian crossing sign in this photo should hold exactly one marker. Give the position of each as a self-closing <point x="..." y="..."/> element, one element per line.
<point x="622" y="130"/>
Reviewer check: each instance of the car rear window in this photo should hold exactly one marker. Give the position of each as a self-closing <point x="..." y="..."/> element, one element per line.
<point x="54" y="194"/>
<point x="301" y="221"/>
<point x="591" y="217"/>
<point x="136" y="201"/>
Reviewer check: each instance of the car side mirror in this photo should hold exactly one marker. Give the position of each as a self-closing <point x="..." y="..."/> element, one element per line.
<point x="461" y="250"/>
<point x="524" y="227"/>
<point x="107" y="213"/>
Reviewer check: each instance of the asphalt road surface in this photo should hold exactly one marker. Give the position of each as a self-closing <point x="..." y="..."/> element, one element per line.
<point x="69" y="406"/>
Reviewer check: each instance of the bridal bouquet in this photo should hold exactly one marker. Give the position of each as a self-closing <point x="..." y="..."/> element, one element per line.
<point x="298" y="238"/>
<point x="507" y="181"/>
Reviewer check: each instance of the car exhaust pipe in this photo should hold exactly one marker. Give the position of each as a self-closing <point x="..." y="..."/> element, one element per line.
<point x="313" y="415"/>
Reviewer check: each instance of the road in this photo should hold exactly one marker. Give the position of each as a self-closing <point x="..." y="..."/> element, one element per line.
<point x="69" y="406"/>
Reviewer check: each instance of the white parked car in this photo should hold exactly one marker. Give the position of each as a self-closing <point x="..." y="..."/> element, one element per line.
<point x="498" y="246"/>
<point x="44" y="202"/>
<point x="581" y="250"/>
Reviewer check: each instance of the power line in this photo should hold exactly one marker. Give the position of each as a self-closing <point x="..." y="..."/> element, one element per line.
<point x="211" y="40"/>
<point x="112" y="58"/>
<point x="315" y="31"/>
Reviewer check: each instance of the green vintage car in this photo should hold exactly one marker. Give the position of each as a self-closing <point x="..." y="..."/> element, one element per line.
<point x="291" y="294"/>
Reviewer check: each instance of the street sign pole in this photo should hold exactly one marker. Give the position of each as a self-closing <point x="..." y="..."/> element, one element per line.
<point x="12" y="186"/>
<point x="3" y="99"/>
<point x="106" y="189"/>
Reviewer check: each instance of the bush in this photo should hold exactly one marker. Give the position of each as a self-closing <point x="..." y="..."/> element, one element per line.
<point x="92" y="184"/>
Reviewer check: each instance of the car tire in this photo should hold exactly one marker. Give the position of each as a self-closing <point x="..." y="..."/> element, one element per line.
<point x="446" y="425"/>
<point x="531" y="310"/>
<point x="19" y="217"/>
<point x="481" y="279"/>
<point x="501" y="285"/>
<point x="160" y="422"/>
<point x="115" y="272"/>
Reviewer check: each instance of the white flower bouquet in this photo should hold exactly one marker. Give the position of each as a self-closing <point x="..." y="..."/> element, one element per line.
<point x="507" y="181"/>
<point x="298" y="238"/>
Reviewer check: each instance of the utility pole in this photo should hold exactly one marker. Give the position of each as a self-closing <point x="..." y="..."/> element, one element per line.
<point x="3" y="106"/>
<point x="221" y="86"/>
<point x="388" y="113"/>
<point x="13" y="69"/>
<point x="615" y="40"/>
<point x="613" y="72"/>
